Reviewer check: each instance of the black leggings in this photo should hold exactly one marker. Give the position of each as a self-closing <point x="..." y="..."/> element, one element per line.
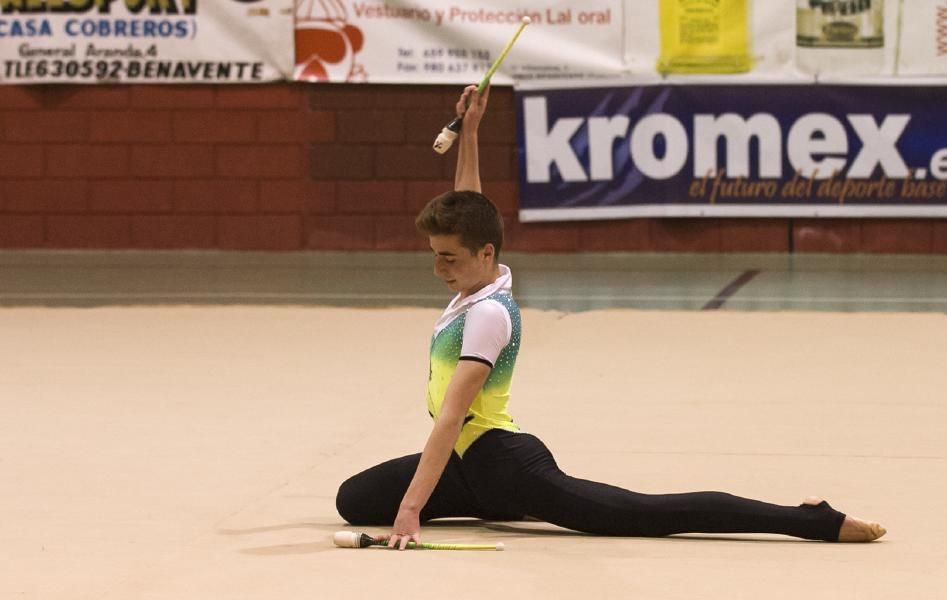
<point x="507" y="476"/>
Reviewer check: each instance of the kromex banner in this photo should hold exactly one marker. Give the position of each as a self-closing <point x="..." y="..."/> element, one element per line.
<point x="145" y="41"/>
<point x="724" y="150"/>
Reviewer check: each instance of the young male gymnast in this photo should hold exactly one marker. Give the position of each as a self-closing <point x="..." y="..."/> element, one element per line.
<point x="476" y="462"/>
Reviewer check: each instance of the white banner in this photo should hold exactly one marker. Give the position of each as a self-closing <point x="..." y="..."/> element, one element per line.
<point x="432" y="41"/>
<point x="145" y="41"/>
<point x="923" y="38"/>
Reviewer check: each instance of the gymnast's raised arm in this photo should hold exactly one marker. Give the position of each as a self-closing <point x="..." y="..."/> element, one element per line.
<point x="471" y="106"/>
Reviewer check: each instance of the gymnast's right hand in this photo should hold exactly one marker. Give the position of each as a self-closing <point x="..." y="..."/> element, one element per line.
<point x="407" y="528"/>
<point x="471" y="106"/>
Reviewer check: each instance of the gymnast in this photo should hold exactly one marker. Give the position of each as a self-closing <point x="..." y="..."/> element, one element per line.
<point x="477" y="462"/>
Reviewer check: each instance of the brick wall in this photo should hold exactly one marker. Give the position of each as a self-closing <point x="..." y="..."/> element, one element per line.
<point x="290" y="167"/>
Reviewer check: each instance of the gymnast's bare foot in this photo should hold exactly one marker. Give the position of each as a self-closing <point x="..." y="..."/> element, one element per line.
<point x="854" y="529"/>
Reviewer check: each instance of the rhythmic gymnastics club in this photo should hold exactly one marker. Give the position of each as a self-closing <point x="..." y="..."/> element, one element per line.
<point x="352" y="539"/>
<point x="446" y="137"/>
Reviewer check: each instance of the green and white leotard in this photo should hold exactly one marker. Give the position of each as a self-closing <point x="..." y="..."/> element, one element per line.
<point x="484" y="327"/>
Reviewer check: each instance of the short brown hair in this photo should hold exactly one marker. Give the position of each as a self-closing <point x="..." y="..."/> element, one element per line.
<point x="468" y="214"/>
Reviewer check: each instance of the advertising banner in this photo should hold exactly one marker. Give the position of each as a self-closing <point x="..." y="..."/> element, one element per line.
<point x="432" y="41"/>
<point x="924" y="39"/>
<point x="732" y="151"/>
<point x="145" y="41"/>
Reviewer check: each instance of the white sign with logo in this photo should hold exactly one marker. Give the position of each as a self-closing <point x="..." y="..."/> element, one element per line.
<point x="145" y="41"/>
<point x="429" y="41"/>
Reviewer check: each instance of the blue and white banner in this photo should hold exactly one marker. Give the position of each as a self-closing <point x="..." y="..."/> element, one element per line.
<point x="145" y="41"/>
<point x="732" y="150"/>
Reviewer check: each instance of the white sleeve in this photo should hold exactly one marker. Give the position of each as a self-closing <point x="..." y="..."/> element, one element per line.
<point x="487" y="331"/>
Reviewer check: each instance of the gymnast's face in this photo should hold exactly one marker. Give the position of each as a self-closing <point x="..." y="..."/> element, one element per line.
<point x="463" y="271"/>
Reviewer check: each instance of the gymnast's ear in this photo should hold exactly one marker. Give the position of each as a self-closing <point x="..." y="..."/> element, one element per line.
<point x="488" y="251"/>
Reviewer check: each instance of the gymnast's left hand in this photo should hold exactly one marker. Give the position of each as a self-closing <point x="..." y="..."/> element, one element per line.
<point x="407" y="528"/>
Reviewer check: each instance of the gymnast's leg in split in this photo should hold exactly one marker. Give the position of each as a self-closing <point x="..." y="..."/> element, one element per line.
<point x="516" y="473"/>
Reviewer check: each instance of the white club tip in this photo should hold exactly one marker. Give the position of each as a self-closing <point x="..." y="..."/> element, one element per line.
<point x="526" y="21"/>
<point x="345" y="539"/>
<point x="500" y="545"/>
<point x="444" y="141"/>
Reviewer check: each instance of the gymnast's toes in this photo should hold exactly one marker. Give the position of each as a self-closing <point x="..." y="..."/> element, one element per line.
<point x="856" y="530"/>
